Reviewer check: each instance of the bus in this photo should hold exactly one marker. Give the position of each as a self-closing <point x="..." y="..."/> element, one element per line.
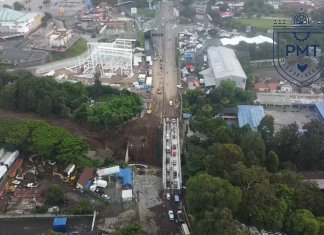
<point x="185" y="229"/>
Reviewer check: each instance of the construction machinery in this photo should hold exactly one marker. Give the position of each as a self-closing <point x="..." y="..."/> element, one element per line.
<point x="63" y="179"/>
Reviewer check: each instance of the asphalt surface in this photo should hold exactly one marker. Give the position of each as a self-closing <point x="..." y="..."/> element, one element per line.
<point x="39" y="226"/>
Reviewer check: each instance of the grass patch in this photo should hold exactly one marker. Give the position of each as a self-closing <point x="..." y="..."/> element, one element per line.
<point x="78" y="48"/>
<point x="145" y="12"/>
<point x="261" y="24"/>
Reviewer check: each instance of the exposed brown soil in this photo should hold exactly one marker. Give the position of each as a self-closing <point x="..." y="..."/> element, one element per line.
<point x="142" y="135"/>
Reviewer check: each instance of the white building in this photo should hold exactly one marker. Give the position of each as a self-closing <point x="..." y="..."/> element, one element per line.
<point x="223" y="65"/>
<point x="15" y="22"/>
<point x="60" y="37"/>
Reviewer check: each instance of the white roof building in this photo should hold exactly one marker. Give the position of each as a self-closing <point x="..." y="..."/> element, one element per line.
<point x="13" y="22"/>
<point x="223" y="65"/>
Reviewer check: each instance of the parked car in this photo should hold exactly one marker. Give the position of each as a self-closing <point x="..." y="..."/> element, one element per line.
<point x="176" y="184"/>
<point x="173" y="120"/>
<point x="168" y="196"/>
<point x="174" y="162"/>
<point x="15" y="182"/>
<point x="171" y="215"/>
<point x="174" y="147"/>
<point x="168" y="168"/>
<point x="168" y="183"/>
<point x="105" y="196"/>
<point x="99" y="192"/>
<point x="171" y="103"/>
<point x="167" y="160"/>
<point x="175" y="174"/>
<point x="181" y="218"/>
<point x="32" y="185"/>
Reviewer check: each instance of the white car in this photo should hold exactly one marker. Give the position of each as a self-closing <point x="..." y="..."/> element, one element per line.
<point x="16" y="182"/>
<point x="171" y="103"/>
<point x="168" y="196"/>
<point x="171" y="215"/>
<point x="105" y="196"/>
<point x="168" y="168"/>
<point x="32" y="185"/>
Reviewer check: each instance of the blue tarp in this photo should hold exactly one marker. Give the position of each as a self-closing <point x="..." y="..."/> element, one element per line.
<point x="127" y="176"/>
<point x="251" y="115"/>
<point x="86" y="188"/>
<point x="59" y="224"/>
<point x="319" y="109"/>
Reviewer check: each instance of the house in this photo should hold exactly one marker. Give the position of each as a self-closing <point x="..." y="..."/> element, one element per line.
<point x="266" y="86"/>
<point x="84" y="178"/>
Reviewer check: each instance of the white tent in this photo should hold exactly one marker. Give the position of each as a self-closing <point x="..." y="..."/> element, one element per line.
<point x="236" y="40"/>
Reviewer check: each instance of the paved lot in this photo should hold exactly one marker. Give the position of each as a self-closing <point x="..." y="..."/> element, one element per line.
<point x="40" y="226"/>
<point x="284" y="116"/>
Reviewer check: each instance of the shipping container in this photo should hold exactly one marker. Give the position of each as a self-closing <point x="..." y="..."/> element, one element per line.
<point x="12" y="157"/>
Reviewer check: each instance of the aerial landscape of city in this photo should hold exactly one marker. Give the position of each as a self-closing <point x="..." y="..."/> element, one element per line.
<point x="178" y="117"/>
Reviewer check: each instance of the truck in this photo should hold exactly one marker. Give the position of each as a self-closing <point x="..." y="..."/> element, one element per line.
<point x="185" y="229"/>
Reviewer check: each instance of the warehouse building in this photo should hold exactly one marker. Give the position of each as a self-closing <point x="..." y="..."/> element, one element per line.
<point x="250" y="115"/>
<point x="223" y="65"/>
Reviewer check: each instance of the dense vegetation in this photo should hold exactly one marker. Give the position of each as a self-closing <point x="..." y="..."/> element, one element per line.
<point x="33" y="136"/>
<point x="235" y="173"/>
<point x="98" y="105"/>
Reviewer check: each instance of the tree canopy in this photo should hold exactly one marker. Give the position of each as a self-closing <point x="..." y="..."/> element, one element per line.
<point x="98" y="105"/>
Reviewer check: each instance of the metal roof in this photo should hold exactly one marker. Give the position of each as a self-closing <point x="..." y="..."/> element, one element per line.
<point x="320" y="108"/>
<point x="251" y="115"/>
<point x="225" y="65"/>
<point x="8" y="15"/>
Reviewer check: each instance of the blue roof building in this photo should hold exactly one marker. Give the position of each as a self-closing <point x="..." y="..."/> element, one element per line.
<point x="251" y="115"/>
<point x="127" y="176"/>
<point x="319" y="110"/>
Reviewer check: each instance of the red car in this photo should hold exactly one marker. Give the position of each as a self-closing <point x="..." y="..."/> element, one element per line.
<point x="174" y="153"/>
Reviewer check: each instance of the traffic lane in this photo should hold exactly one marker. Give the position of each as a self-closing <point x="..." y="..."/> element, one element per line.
<point x="38" y="226"/>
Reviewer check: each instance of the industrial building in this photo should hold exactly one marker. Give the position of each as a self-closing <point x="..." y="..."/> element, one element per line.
<point x="15" y="23"/>
<point x="250" y="115"/>
<point x="223" y="65"/>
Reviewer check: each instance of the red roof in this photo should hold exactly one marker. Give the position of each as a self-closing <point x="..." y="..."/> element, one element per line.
<point x="16" y="166"/>
<point x="85" y="176"/>
<point x="226" y="14"/>
<point x="272" y="86"/>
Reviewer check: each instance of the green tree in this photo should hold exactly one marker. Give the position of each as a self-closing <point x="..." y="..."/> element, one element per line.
<point x="266" y="128"/>
<point x="253" y="148"/>
<point x="272" y="161"/>
<point x="54" y="194"/>
<point x="205" y="192"/>
<point x="18" y="6"/>
<point x="131" y="229"/>
<point x="221" y="159"/>
<point x="302" y="222"/>
<point x="217" y="221"/>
